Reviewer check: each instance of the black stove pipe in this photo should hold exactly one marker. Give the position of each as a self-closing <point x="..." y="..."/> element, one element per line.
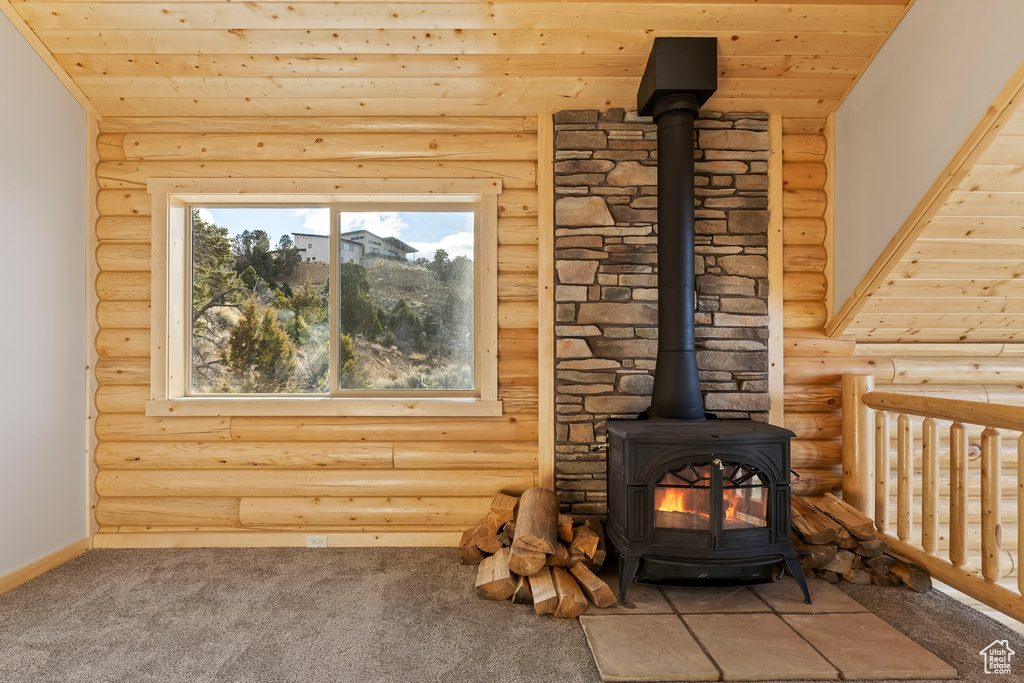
<point x="681" y="74"/>
<point x="676" y="393"/>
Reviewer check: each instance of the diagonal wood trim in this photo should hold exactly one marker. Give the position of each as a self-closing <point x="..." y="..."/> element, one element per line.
<point x="30" y="571"/>
<point x="998" y="114"/>
<point x="23" y="28"/>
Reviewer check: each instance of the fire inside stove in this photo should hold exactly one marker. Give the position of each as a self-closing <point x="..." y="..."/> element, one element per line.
<point x="692" y="497"/>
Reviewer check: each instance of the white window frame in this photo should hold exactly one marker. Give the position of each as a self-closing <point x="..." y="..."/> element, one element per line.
<point x="171" y="292"/>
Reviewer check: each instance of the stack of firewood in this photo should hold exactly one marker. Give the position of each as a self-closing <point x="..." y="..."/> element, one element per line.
<point x="529" y="552"/>
<point x="837" y="542"/>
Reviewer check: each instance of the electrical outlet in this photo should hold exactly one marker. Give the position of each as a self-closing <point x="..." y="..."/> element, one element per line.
<point x="316" y="541"/>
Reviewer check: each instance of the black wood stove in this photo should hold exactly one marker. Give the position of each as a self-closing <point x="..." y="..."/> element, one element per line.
<point x="691" y="500"/>
<point x="702" y="502"/>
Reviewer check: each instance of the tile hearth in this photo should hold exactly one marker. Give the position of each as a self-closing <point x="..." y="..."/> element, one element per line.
<point x="756" y="633"/>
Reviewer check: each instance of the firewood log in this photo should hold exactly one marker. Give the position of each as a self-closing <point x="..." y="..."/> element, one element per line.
<point x="536" y="525"/>
<point x="601" y="554"/>
<point x="493" y="580"/>
<point x="886" y="581"/>
<point x="881" y="564"/>
<point x="856" y="522"/>
<point x="602" y="551"/>
<point x="831" y="577"/>
<point x="812" y="526"/>
<point x="842" y="563"/>
<point x="560" y="557"/>
<point x="523" y="594"/>
<point x="504" y="538"/>
<point x="571" y="600"/>
<point x="468" y="552"/>
<point x="545" y="598"/>
<point x="596" y="590"/>
<point x="577" y="556"/>
<point x="914" y="575"/>
<point x="510" y="528"/>
<point x="485" y="536"/>
<point x="858" y="577"/>
<point x="503" y="508"/>
<point x="813" y="556"/>
<point x="585" y="540"/>
<point x="525" y="562"/>
<point x="871" y="548"/>
<point x="845" y="540"/>
<point x="565" y="528"/>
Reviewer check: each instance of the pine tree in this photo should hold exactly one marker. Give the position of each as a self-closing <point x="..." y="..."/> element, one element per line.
<point x="260" y="355"/>
<point x="358" y="315"/>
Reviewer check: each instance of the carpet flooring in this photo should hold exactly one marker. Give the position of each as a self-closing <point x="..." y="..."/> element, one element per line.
<point x="339" y="615"/>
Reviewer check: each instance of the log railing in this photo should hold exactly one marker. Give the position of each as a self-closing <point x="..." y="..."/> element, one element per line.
<point x="868" y="486"/>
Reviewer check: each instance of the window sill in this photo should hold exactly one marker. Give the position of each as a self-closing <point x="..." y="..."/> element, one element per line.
<point x="310" y="406"/>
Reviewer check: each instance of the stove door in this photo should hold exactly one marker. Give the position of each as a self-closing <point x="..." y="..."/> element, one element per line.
<point x="715" y="503"/>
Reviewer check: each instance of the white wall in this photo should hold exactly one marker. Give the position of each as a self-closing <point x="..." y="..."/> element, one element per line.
<point x="924" y="93"/>
<point x="42" y="308"/>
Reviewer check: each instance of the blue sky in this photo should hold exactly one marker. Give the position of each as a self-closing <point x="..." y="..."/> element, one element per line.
<point x="426" y="231"/>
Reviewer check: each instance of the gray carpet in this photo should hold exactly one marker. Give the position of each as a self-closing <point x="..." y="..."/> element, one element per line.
<point x="339" y="615"/>
<point x="271" y="615"/>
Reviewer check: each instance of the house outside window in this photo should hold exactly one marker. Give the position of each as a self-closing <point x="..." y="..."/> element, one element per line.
<point x="411" y="331"/>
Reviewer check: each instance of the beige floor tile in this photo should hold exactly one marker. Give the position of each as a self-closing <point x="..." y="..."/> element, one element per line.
<point x="737" y="644"/>
<point x="646" y="647"/>
<point x="786" y="597"/>
<point x="863" y="646"/>
<point x="701" y="600"/>
<point x="642" y="598"/>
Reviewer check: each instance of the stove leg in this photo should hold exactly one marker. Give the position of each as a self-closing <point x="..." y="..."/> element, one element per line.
<point x="627" y="570"/>
<point x="793" y="565"/>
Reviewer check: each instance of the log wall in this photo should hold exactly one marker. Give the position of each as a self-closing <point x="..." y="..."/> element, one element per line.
<point x="811" y="401"/>
<point x="255" y="481"/>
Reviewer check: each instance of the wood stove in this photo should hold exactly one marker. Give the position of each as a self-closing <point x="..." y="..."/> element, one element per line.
<point x="690" y="499"/>
<point x="703" y="502"/>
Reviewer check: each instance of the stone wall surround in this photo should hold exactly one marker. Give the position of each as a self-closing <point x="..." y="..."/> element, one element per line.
<point x="606" y="309"/>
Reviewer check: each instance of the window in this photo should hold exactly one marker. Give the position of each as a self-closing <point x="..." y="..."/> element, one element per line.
<point x="243" y="327"/>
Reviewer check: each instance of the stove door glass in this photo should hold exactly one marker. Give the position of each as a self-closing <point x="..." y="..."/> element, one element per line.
<point x="745" y="497"/>
<point x="682" y="499"/>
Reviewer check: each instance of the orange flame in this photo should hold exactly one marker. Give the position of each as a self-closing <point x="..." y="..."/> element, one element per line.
<point x="676" y="500"/>
<point x="694" y="501"/>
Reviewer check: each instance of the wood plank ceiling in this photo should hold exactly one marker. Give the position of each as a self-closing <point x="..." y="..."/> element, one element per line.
<point x="457" y="57"/>
<point x="962" y="278"/>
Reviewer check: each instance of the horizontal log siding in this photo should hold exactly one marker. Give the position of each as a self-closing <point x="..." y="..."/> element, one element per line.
<point x="180" y="478"/>
<point x="812" y="396"/>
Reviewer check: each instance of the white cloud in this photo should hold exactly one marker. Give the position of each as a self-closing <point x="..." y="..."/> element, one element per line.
<point x="206" y="216"/>
<point x="456" y="244"/>
<point x="315" y="221"/>
<point x="381" y="223"/>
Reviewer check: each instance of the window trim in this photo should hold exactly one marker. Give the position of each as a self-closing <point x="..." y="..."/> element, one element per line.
<point x="171" y="290"/>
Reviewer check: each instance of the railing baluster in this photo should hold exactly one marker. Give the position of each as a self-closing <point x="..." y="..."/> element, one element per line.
<point x="958" y="494"/>
<point x="881" y="470"/>
<point x="990" y="504"/>
<point x="905" y="472"/>
<point x="929" y="486"/>
<point x="858" y="439"/>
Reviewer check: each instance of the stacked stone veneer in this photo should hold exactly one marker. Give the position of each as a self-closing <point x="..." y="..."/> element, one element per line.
<point x="606" y="264"/>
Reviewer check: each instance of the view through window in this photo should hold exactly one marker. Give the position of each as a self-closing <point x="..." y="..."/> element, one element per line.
<point x="332" y="300"/>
